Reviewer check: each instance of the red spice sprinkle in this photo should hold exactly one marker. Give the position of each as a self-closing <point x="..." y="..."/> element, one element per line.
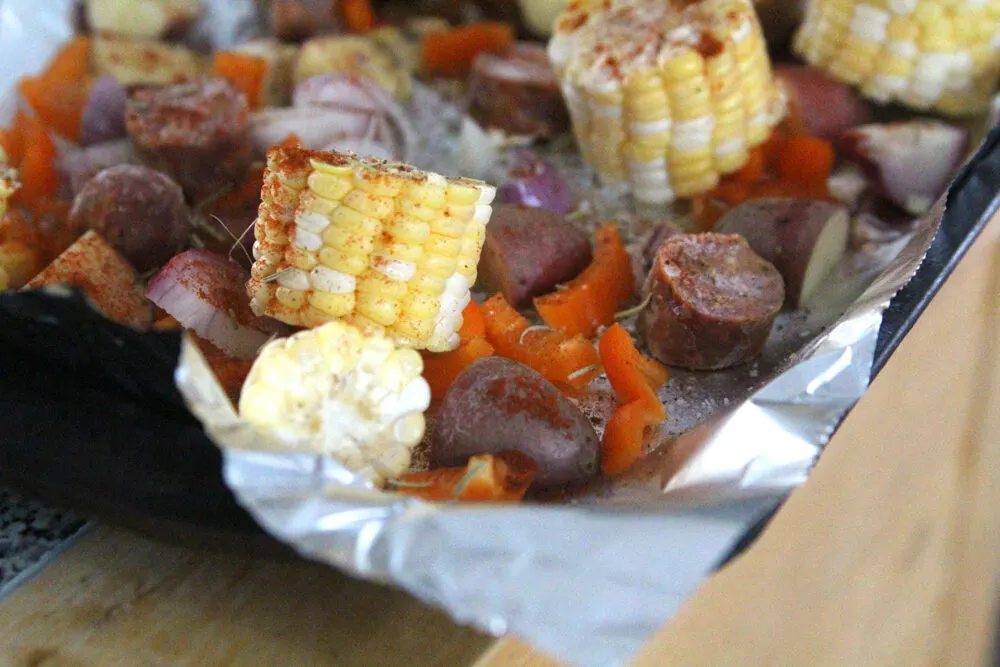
<point x="708" y="46"/>
<point x="575" y="22"/>
<point x="524" y="396"/>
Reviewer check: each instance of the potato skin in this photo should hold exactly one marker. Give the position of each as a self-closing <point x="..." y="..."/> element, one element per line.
<point x="529" y="251"/>
<point x="498" y="405"/>
<point x="828" y="107"/>
<point x="138" y="211"/>
<point x="787" y="233"/>
<point x="712" y="302"/>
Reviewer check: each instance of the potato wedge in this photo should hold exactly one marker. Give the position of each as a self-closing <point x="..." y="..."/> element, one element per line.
<point x="804" y="239"/>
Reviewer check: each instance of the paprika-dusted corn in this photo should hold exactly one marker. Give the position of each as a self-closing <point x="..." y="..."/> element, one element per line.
<point x="939" y="55"/>
<point x="665" y="96"/>
<point x="384" y="246"/>
<point x="8" y="182"/>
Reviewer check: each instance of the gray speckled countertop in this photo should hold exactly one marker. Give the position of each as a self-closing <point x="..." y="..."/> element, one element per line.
<point x="30" y="535"/>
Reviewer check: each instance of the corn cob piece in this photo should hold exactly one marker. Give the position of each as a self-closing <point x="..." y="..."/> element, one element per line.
<point x="386" y="247"/>
<point x="8" y="183"/>
<point x="665" y="97"/>
<point x="333" y="390"/>
<point x="356" y="55"/>
<point x="936" y="55"/>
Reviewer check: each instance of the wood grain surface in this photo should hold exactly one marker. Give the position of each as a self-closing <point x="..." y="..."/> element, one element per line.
<point x="119" y="599"/>
<point x="887" y="556"/>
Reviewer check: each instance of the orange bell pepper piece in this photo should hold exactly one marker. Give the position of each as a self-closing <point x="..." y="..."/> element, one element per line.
<point x="451" y="52"/>
<point x="11" y="142"/>
<point x="37" y="174"/>
<point x="568" y="362"/>
<point x="635" y="380"/>
<point x="705" y="212"/>
<point x="773" y="147"/>
<point x="621" y="445"/>
<point x="59" y="94"/>
<point x="244" y="71"/>
<point x="503" y="477"/>
<point x="440" y="370"/>
<point x="473" y="323"/>
<point x="591" y="300"/>
<point x="754" y="169"/>
<point x="730" y="192"/>
<point x="633" y="376"/>
<point x="806" y="160"/>
<point x="358" y="15"/>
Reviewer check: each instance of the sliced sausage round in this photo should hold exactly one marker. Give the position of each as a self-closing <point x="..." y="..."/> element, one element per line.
<point x="712" y="302"/>
<point x="196" y="132"/>
<point x="518" y="93"/>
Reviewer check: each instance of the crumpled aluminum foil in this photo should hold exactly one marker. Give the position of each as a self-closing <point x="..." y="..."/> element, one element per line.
<point x="591" y="579"/>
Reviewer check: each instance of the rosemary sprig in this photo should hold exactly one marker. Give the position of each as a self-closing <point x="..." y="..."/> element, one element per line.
<point x="277" y="274"/>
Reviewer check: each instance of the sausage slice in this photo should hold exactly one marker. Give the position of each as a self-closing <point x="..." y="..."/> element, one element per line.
<point x="197" y="132"/>
<point x="713" y="301"/>
<point x="517" y="92"/>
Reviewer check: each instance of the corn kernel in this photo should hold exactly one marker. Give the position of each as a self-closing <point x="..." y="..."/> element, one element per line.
<point x="368" y="204"/>
<point x="334" y="305"/>
<point x="329" y="186"/>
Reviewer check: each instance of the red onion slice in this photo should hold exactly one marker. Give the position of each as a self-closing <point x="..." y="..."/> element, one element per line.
<point x="910" y="163"/>
<point x="316" y="127"/>
<point x="206" y="293"/>
<point x="358" y="95"/>
<point x="535" y="182"/>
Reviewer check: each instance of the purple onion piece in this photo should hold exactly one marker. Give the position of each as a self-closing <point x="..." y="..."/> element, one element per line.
<point x="103" y="116"/>
<point x="534" y="181"/>
<point x="910" y="163"/>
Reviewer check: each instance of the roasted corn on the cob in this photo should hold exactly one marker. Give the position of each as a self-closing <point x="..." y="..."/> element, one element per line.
<point x="18" y="261"/>
<point x="141" y="19"/>
<point x="665" y="96"/>
<point x="8" y="182"/>
<point x="335" y="391"/>
<point x="356" y="55"/>
<point x="927" y="54"/>
<point x="386" y="247"/>
<point x="139" y="62"/>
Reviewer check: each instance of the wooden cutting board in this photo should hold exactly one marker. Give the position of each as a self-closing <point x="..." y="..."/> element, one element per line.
<point x="887" y="556"/>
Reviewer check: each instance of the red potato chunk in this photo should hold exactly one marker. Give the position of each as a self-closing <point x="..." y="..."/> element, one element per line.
<point x="139" y="211"/>
<point x="529" y="251"/>
<point x="92" y="265"/>
<point x="827" y="107"/>
<point x="712" y="302"/>
<point x="804" y="239"/>
<point x="103" y="116"/>
<point x="295" y="20"/>
<point x="497" y="405"/>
